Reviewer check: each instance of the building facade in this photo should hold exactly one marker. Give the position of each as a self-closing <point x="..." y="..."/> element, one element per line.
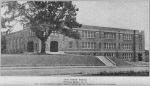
<point x="104" y="41"/>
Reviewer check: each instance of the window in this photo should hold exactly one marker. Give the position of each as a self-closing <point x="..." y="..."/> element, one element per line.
<point x="127" y="46"/>
<point x="11" y="44"/>
<point x="140" y="46"/>
<point x="109" y="35"/>
<point x="83" y="43"/>
<point x="127" y="56"/>
<point x="36" y="46"/>
<point x="77" y="44"/>
<point x="110" y="45"/>
<point x="70" y="44"/>
<point x="109" y="54"/>
<point x="88" y="34"/>
<point x="99" y="45"/>
<point x="88" y="45"/>
<point x="127" y="37"/>
<point x="24" y="47"/>
<point x="95" y="45"/>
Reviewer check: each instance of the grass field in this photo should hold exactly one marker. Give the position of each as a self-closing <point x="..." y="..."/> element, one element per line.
<point x="25" y="60"/>
<point x="120" y="62"/>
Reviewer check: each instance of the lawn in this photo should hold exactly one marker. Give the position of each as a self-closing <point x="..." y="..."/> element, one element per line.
<point x="26" y="60"/>
<point x="120" y="62"/>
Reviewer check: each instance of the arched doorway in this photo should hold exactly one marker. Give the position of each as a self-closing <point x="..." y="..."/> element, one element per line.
<point x="30" y="46"/>
<point x="53" y="46"/>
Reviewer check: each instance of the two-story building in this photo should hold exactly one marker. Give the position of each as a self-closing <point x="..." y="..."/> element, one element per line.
<point x="106" y="41"/>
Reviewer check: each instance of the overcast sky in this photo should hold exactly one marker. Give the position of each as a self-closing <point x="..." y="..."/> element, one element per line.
<point x="117" y="14"/>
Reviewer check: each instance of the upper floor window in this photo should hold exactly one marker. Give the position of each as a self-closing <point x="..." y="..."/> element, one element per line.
<point x="99" y="45"/>
<point x="127" y="37"/>
<point x="77" y="44"/>
<point x="140" y="38"/>
<point x="140" y="46"/>
<point x="88" y="45"/>
<point x="110" y="45"/>
<point x="88" y="34"/>
<point x="127" y="46"/>
<point x="109" y="35"/>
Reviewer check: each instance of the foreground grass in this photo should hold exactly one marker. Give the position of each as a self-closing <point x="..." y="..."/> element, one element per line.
<point x="121" y="73"/>
<point x="26" y="60"/>
<point x="120" y="62"/>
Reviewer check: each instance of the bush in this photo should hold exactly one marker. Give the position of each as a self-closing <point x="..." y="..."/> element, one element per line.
<point x="122" y="73"/>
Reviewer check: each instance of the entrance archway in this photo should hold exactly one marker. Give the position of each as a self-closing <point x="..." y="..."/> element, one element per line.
<point x="140" y="57"/>
<point x="30" y="46"/>
<point x="53" y="46"/>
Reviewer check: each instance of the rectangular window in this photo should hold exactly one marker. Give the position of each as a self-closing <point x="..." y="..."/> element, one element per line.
<point x="77" y="44"/>
<point x="89" y="44"/>
<point x="140" y="46"/>
<point x="36" y="46"/>
<point x="83" y="45"/>
<point x="70" y="44"/>
<point x="94" y="34"/>
<point x="82" y="33"/>
<point x="95" y="45"/>
<point x="89" y="34"/>
<point x="99" y="45"/>
<point x="85" y="33"/>
<point x="92" y="45"/>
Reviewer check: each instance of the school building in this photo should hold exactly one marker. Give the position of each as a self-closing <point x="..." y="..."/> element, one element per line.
<point x="95" y="40"/>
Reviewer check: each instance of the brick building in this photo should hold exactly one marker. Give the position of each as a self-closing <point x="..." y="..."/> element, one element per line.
<point x="112" y="42"/>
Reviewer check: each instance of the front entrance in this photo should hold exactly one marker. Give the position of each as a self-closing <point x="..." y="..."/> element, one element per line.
<point x="140" y="57"/>
<point x="30" y="46"/>
<point x="53" y="46"/>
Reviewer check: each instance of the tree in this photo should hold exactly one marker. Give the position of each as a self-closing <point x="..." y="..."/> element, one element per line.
<point x="43" y="17"/>
<point x="7" y="29"/>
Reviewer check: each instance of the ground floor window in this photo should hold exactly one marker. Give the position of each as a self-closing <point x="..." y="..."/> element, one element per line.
<point x="127" y="56"/>
<point x="109" y="54"/>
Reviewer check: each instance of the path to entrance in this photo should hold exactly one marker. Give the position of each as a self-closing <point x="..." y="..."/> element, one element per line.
<point x="57" y="53"/>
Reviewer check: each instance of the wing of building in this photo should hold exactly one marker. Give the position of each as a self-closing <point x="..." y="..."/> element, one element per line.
<point x="106" y="41"/>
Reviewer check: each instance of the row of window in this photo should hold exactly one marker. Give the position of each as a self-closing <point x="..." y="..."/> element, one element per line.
<point x="88" y="45"/>
<point x="127" y="37"/>
<point x="109" y="45"/>
<point x="127" y="56"/>
<point x="88" y="34"/>
<point x="109" y="54"/>
<point x="127" y="46"/>
<point x="109" y="35"/>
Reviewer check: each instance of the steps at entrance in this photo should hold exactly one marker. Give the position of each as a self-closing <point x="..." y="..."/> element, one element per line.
<point x="105" y="61"/>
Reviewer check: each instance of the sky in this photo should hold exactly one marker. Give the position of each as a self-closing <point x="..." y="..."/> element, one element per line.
<point x="118" y="14"/>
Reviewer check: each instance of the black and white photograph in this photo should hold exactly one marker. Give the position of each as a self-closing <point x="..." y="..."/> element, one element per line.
<point x="75" y="38"/>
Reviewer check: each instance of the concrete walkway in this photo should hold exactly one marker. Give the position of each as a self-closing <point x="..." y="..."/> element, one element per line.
<point x="59" y="52"/>
<point x="105" y="61"/>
